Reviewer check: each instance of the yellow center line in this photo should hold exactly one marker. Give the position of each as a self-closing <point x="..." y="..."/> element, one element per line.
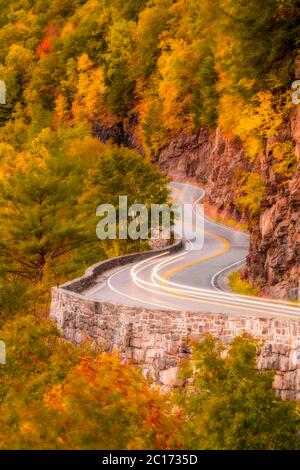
<point x="177" y="191"/>
<point x="170" y="273"/>
<point x="182" y="267"/>
<point x="226" y="247"/>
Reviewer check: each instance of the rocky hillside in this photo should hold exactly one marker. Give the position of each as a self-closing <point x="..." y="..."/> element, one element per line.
<point x="274" y="259"/>
<point x="209" y="158"/>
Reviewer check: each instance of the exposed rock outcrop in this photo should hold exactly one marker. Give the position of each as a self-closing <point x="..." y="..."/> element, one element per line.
<point x="212" y="160"/>
<point x="274" y="258"/>
<point x="119" y="132"/>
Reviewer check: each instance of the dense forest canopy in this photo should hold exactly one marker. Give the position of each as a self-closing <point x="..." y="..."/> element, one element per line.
<point x="186" y="62"/>
<point x="170" y="66"/>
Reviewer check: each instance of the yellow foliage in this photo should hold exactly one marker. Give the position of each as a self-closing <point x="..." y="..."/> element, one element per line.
<point x="67" y="29"/>
<point x="90" y="89"/>
<point x="255" y="121"/>
<point x="62" y="114"/>
<point x="284" y="154"/>
<point x="250" y="192"/>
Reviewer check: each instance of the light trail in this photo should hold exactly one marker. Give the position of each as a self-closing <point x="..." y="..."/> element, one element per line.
<point x="153" y="276"/>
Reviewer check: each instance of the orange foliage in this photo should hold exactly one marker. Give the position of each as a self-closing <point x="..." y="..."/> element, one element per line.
<point x="45" y="45"/>
<point x="104" y="404"/>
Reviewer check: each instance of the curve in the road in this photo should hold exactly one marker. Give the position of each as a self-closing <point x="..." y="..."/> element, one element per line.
<point x="188" y="281"/>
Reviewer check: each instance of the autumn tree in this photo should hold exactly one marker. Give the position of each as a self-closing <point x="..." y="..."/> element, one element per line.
<point x="41" y="219"/>
<point x="249" y="193"/>
<point x="15" y="72"/>
<point x="36" y="357"/>
<point x="152" y="22"/>
<point x="266" y="32"/>
<point x="91" y="88"/>
<point x="49" y="195"/>
<point x="123" y="172"/>
<point x="54" y="395"/>
<point x="105" y="405"/>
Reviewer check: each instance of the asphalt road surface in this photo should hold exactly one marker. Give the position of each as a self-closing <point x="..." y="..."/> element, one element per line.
<point x="192" y="279"/>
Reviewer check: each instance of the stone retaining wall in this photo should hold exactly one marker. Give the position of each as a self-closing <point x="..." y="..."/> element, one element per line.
<point x="157" y="340"/>
<point x="85" y="282"/>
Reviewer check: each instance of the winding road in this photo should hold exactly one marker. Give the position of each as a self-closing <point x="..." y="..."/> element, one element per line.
<point x="191" y="280"/>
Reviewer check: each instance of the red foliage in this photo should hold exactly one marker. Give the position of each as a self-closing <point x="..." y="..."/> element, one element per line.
<point x="44" y="47"/>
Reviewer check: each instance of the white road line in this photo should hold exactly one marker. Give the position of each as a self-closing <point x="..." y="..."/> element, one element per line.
<point x="195" y="292"/>
<point x="262" y="306"/>
<point x="214" y="278"/>
<point x="134" y="298"/>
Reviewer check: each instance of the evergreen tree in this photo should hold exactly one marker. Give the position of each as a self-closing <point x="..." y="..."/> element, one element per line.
<point x="41" y="219"/>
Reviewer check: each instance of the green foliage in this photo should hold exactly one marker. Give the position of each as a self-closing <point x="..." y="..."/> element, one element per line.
<point x="155" y="136"/>
<point x="41" y="219"/>
<point x="264" y="33"/>
<point x="49" y="195"/>
<point x="124" y="172"/>
<point x="235" y="407"/>
<point x="118" y="72"/>
<point x="130" y="8"/>
<point x="35" y="358"/>
<point x="179" y="65"/>
<point x="54" y="395"/>
<point x="193" y="52"/>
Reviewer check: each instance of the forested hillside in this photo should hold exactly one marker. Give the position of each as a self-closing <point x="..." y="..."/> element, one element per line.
<point x="179" y="64"/>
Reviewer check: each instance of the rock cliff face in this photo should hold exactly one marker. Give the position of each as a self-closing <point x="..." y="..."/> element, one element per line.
<point x="212" y="160"/>
<point x="274" y="258"/>
<point x="119" y="133"/>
